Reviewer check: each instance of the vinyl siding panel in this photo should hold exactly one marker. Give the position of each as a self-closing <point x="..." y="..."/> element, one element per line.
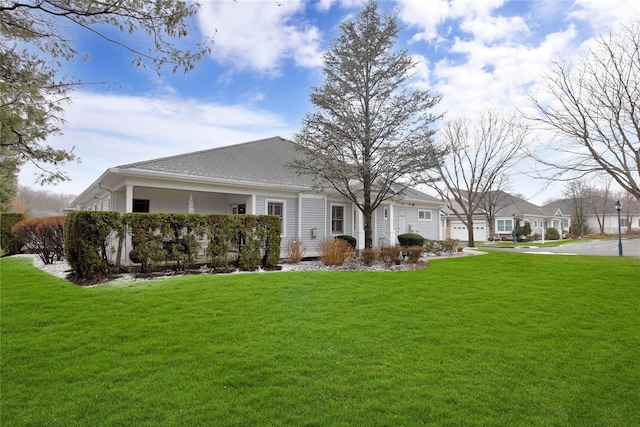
<point x="313" y="216"/>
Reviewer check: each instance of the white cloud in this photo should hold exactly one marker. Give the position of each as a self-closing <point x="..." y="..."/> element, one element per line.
<point x="260" y="35"/>
<point x="109" y="130"/>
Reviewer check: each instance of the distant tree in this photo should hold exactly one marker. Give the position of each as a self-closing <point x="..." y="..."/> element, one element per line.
<point x="592" y="103"/>
<point x="579" y="195"/>
<point x="37" y="37"/>
<point x="370" y="135"/>
<point x="479" y="152"/>
<point x="40" y="203"/>
<point x="494" y="202"/>
<point x="522" y="229"/>
<point x="600" y="199"/>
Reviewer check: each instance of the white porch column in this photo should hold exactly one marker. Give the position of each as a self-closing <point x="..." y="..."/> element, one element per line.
<point x="299" y="234"/>
<point x="128" y="199"/>
<point x="359" y="231"/>
<point x="392" y="230"/>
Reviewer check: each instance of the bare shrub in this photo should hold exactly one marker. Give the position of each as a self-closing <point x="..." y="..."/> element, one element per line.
<point x="335" y="251"/>
<point x="368" y="256"/>
<point x="42" y="236"/>
<point x="413" y="253"/>
<point x="389" y="254"/>
<point x="294" y="250"/>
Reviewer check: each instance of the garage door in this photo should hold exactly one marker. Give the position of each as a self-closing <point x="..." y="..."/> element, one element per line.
<point x="459" y="231"/>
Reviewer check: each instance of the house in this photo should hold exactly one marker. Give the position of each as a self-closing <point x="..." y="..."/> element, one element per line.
<point x="253" y="178"/>
<point x="601" y="215"/>
<point x="494" y="219"/>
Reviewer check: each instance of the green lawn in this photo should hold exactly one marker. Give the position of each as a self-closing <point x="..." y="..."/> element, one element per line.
<point x="538" y="243"/>
<point x="499" y="339"/>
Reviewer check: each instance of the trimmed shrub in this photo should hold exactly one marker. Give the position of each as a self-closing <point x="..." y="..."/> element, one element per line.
<point x="8" y="242"/>
<point x="42" y="236"/>
<point x="294" y="250"/>
<point x="410" y="239"/>
<point x="87" y="235"/>
<point x="414" y="253"/>
<point x="349" y="239"/>
<point x="368" y="256"/>
<point x="335" y="251"/>
<point x="552" y="234"/>
<point x="389" y="254"/>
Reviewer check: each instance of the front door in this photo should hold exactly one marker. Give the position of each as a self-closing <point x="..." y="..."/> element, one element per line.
<point x="402" y="221"/>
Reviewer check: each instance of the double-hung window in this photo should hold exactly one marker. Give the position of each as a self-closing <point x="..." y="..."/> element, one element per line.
<point x="424" y="215"/>
<point x="337" y="219"/>
<point x="277" y="209"/>
<point x="505" y="225"/>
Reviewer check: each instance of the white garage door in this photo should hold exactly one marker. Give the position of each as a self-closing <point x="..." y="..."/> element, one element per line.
<point x="459" y="231"/>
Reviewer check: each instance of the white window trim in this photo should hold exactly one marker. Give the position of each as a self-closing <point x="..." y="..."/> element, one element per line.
<point x="505" y="222"/>
<point x="425" y="210"/>
<point x="284" y="213"/>
<point x="344" y="218"/>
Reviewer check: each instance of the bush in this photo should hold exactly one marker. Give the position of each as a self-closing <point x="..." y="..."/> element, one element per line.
<point x="368" y="256"/>
<point x="449" y="245"/>
<point x="389" y="254"/>
<point x="349" y="239"/>
<point x="294" y="251"/>
<point x="552" y="234"/>
<point x="42" y="236"/>
<point x="410" y="239"/>
<point x="87" y="235"/>
<point x="335" y="251"/>
<point x="8" y="242"/>
<point x="414" y="253"/>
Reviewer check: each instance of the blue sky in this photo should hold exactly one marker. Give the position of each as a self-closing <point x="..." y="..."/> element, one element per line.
<point x="268" y="54"/>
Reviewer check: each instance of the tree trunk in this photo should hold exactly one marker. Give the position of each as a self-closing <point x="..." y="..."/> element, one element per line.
<point x="368" y="231"/>
<point x="469" y="225"/>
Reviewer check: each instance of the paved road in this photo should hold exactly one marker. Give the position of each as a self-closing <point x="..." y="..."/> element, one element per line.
<point x="630" y="247"/>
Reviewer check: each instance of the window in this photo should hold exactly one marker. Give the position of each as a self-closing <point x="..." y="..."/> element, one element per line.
<point x="624" y="222"/>
<point x="505" y="225"/>
<point x="424" y="215"/>
<point x="337" y="219"/>
<point x="277" y="208"/>
<point x="140" y="205"/>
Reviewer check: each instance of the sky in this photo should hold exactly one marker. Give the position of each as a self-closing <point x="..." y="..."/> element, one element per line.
<point x="267" y="55"/>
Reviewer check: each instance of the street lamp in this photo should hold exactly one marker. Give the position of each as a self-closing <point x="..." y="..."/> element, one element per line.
<point x="514" y="230"/>
<point x="618" y="206"/>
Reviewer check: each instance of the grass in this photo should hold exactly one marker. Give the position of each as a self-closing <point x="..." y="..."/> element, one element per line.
<point x="509" y="244"/>
<point x="499" y="339"/>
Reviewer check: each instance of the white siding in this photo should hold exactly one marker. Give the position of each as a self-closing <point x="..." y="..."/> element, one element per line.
<point x="313" y="212"/>
<point x="427" y="229"/>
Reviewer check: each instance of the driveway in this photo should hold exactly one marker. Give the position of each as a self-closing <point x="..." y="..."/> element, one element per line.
<point x="630" y="247"/>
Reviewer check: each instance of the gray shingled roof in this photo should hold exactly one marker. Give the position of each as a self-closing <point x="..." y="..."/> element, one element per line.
<point x="263" y="161"/>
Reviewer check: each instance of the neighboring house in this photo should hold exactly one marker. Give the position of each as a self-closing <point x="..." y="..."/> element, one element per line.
<point x="601" y="215"/>
<point x="502" y="217"/>
<point x="253" y="178"/>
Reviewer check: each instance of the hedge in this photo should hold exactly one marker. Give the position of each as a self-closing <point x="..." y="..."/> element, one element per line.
<point x="8" y="242"/>
<point x="410" y="239"/>
<point x="169" y="237"/>
<point x="86" y="238"/>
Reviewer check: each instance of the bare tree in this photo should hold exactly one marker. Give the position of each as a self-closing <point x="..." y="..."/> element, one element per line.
<point x="592" y="106"/>
<point x="479" y="152"/>
<point x="370" y="134"/>
<point x="600" y="198"/>
<point x="579" y="195"/>
<point x="494" y="202"/>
